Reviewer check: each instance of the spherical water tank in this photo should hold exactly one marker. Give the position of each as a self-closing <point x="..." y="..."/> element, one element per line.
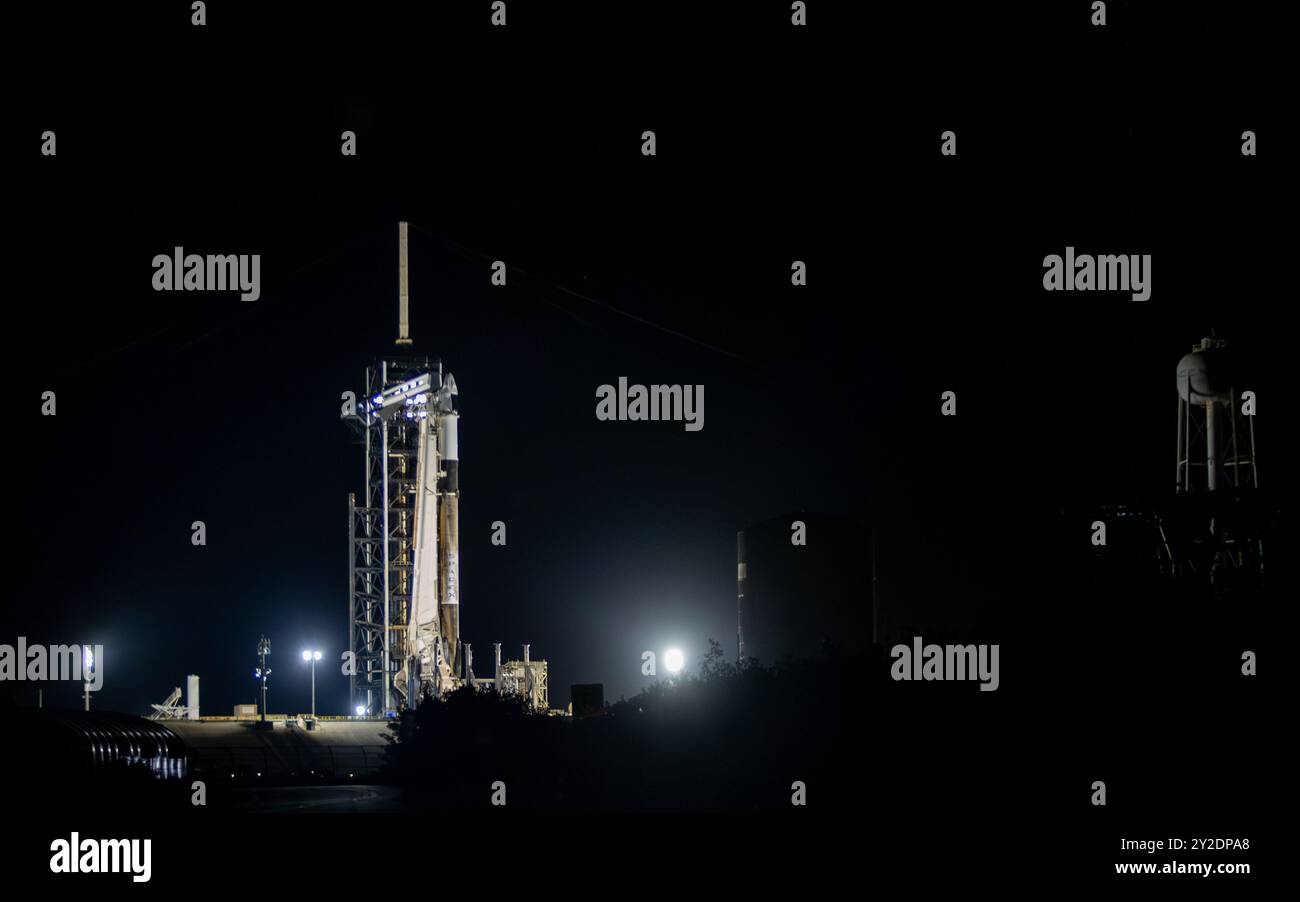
<point x="1207" y="374"/>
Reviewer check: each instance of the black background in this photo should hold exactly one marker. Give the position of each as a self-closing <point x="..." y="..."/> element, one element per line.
<point x="774" y="144"/>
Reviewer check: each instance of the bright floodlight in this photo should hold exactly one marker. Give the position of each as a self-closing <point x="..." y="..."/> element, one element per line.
<point x="361" y="710"/>
<point x="306" y="656"/>
<point x="316" y="655"/>
<point x="673" y="660"/>
<point x="90" y="658"/>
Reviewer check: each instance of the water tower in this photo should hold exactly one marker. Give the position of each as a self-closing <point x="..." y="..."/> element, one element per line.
<point x="1213" y="528"/>
<point x="1216" y="440"/>
<point x="1210" y="533"/>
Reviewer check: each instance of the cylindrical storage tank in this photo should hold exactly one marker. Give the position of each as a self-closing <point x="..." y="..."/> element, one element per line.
<point x="192" y="697"/>
<point x="740" y="595"/>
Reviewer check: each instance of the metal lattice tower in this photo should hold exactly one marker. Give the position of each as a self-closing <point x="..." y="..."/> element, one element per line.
<point x="404" y="540"/>
<point x="403" y="544"/>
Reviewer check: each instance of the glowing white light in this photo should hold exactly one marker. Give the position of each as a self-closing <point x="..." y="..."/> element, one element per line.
<point x="674" y="660"/>
<point x="306" y="656"/>
<point x="361" y="710"/>
<point x="316" y="655"/>
<point x="90" y="659"/>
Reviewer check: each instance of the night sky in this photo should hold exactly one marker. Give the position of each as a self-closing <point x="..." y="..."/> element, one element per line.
<point x="924" y="276"/>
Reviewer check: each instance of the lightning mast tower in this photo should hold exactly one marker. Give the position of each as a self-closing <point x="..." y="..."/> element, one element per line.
<point x="403" y="538"/>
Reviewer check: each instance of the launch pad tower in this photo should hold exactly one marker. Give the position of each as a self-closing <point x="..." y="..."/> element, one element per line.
<point x="404" y="537"/>
<point x="403" y="543"/>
